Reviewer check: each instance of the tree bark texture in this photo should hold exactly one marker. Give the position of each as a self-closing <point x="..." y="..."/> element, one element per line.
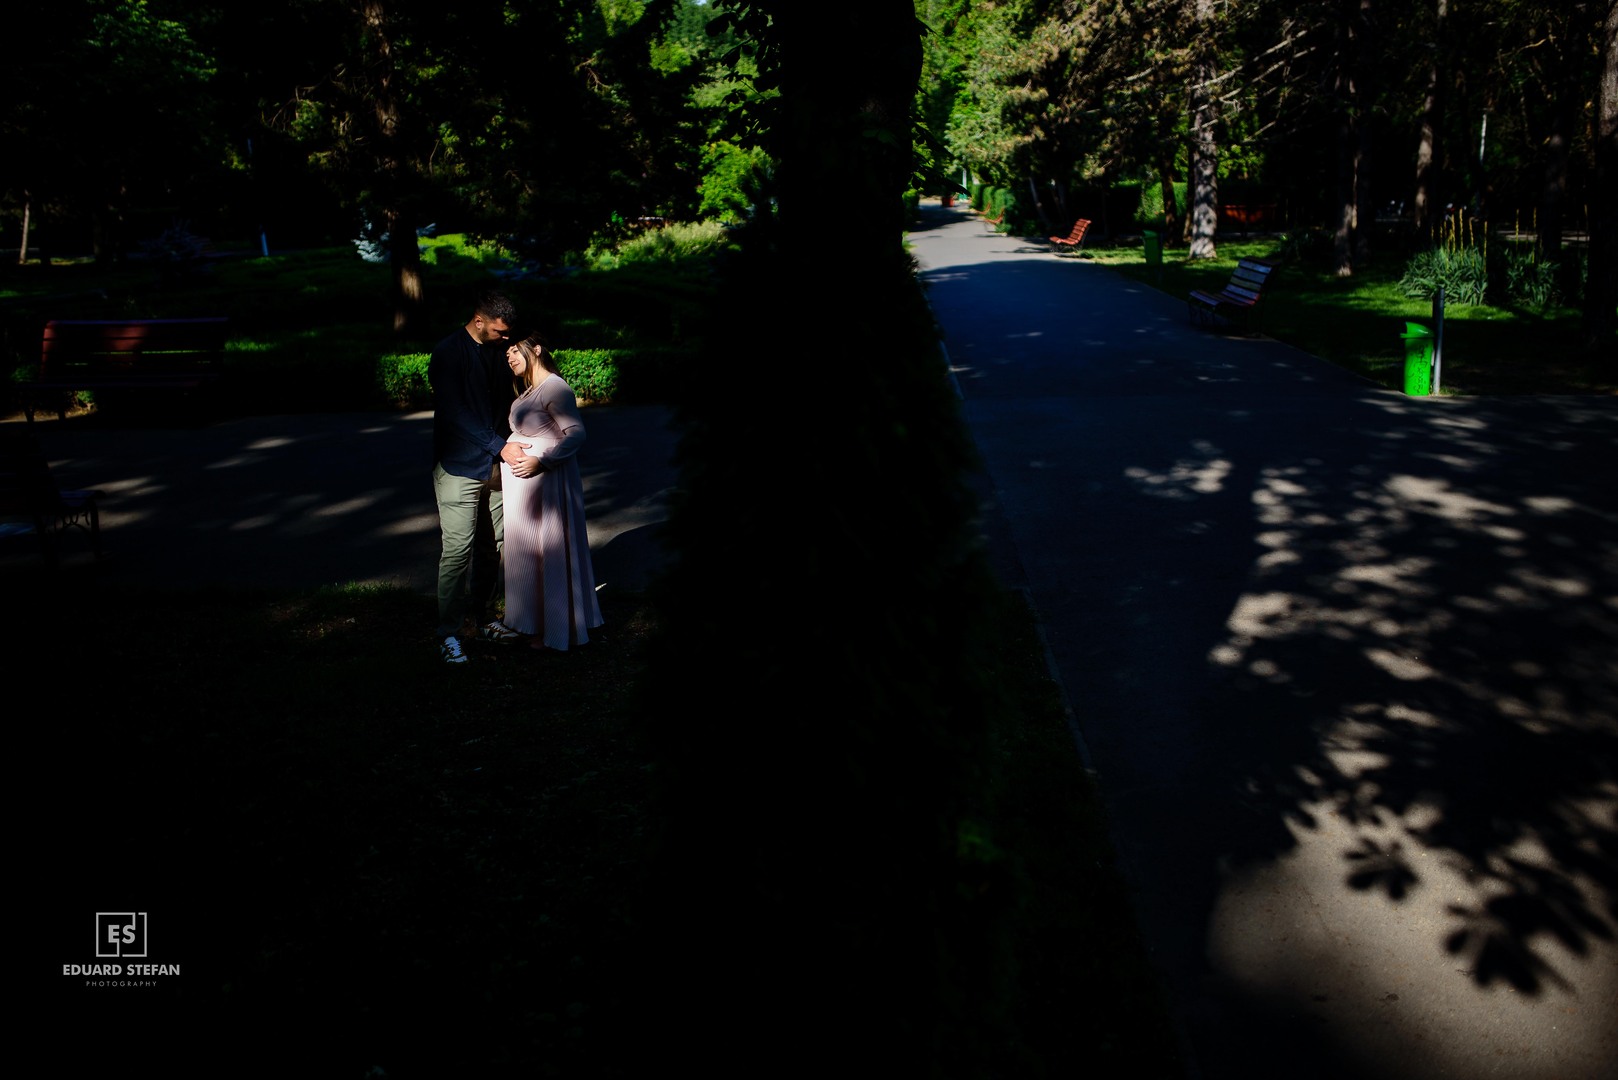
<point x="1364" y="193"/>
<point x="1204" y="141"/>
<point x="1172" y="227"/>
<point x="1426" y="203"/>
<point x="1353" y="139"/>
<point x="1601" y="288"/>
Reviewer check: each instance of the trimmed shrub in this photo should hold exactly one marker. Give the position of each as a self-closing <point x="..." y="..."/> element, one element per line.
<point x="592" y="373"/>
<point x="403" y="379"/>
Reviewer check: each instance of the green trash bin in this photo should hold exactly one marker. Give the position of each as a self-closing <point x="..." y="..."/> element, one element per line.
<point x="1151" y="242"/>
<point x="1418" y="359"/>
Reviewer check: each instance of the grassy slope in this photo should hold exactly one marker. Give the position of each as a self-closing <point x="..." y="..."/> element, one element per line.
<point x="1357" y="322"/>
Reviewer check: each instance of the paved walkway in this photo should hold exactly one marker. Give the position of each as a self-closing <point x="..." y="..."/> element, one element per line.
<point x="1343" y="660"/>
<point x="327" y="498"/>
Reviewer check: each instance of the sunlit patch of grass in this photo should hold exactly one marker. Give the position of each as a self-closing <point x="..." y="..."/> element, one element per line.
<point x="1358" y="322"/>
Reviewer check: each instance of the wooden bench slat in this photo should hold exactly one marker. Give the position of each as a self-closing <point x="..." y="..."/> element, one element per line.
<point x="1075" y="238"/>
<point x="1238" y="297"/>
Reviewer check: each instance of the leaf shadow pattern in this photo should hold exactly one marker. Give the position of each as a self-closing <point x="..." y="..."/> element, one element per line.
<point x="1342" y="660"/>
<point x="1381" y="867"/>
<point x="1448" y="629"/>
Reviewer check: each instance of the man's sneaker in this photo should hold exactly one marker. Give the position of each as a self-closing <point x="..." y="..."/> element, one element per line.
<point x="451" y="650"/>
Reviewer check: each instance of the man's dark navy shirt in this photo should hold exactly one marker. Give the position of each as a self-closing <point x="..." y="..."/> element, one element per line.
<point x="471" y="404"/>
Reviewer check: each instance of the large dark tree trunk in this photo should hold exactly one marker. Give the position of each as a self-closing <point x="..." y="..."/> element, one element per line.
<point x="815" y="783"/>
<point x="1601" y="290"/>
<point x="847" y="122"/>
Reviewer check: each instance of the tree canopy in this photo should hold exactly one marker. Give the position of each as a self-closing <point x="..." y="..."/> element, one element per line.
<point x="556" y="125"/>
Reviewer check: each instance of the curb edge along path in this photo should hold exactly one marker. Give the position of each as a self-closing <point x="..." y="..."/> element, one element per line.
<point x="1344" y="662"/>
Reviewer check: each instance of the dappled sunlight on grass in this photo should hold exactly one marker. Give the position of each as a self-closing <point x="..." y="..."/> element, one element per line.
<point x="1357" y="323"/>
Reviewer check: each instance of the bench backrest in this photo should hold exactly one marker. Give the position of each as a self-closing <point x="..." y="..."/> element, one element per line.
<point x="1247" y="281"/>
<point x="113" y="344"/>
<point x="1080" y="227"/>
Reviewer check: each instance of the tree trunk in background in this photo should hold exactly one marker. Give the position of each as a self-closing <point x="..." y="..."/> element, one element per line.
<point x="22" y="249"/>
<point x="1365" y="92"/>
<point x="1172" y="228"/>
<point x="1601" y="289"/>
<point x="393" y="168"/>
<point x="1343" y="233"/>
<point x="1426" y="203"/>
<point x="1553" y="193"/>
<point x="1204" y="141"/>
<point x="1352" y="137"/>
<point x="404" y="256"/>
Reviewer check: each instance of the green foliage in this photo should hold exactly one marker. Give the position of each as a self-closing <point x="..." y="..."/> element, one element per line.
<point x="668" y="246"/>
<point x="730" y="180"/>
<point x="443" y="250"/>
<point x="592" y="373"/>
<point x="1530" y="281"/>
<point x="403" y="379"/>
<point x="1356" y="322"/>
<point x="1463" y="274"/>
<point x="997" y="201"/>
<point x="1149" y="202"/>
<point x="597" y="376"/>
<point x="1458" y="262"/>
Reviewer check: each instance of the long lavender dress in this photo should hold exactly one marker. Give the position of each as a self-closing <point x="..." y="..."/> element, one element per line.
<point x="550" y="584"/>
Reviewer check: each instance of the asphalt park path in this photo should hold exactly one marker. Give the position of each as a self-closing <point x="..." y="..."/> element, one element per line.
<point x="324" y="499"/>
<point x="1343" y="661"/>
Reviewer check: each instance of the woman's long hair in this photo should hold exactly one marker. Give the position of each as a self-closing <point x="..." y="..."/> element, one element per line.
<point x="537" y="351"/>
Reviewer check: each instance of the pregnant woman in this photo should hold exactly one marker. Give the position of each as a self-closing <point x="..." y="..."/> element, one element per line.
<point x="550" y="584"/>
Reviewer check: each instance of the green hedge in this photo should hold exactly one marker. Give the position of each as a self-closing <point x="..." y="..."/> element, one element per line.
<point x="597" y="376"/>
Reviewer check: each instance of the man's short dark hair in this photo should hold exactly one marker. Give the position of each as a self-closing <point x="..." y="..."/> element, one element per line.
<point x="493" y="304"/>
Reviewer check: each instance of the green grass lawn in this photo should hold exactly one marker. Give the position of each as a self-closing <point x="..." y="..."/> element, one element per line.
<point x="1357" y="323"/>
